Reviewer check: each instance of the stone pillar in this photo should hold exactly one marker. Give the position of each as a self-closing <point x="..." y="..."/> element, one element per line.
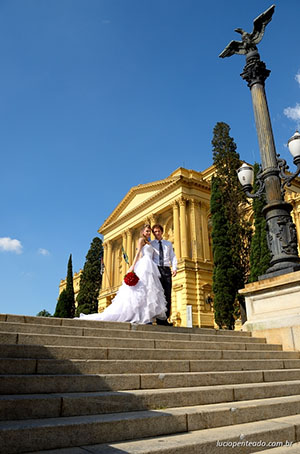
<point x="183" y="228"/>
<point x="104" y="280"/>
<point x="205" y="236"/>
<point x="129" y="246"/>
<point x="153" y="221"/>
<point x="124" y="245"/>
<point x="176" y="229"/>
<point x="109" y="262"/>
<point x="199" y="228"/>
<point x="194" y="230"/>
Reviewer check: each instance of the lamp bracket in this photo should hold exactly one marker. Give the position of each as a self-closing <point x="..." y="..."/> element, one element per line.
<point x="261" y="186"/>
<point x="286" y="179"/>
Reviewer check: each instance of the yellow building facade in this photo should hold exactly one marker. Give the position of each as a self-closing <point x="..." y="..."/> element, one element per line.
<point x="181" y="204"/>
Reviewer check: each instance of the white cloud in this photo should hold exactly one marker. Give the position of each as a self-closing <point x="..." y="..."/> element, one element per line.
<point x="11" y="245"/>
<point x="293" y="112"/>
<point x="43" y="251"/>
<point x="297" y="77"/>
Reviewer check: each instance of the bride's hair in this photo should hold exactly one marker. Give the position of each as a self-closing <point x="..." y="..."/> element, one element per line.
<point x="145" y="226"/>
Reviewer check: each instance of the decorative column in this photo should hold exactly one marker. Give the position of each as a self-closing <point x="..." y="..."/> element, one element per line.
<point x="153" y="221"/>
<point x="124" y="245"/>
<point x="104" y="277"/>
<point x="176" y="229"/>
<point x="109" y="262"/>
<point x="183" y="227"/>
<point x="129" y="246"/>
<point x="194" y="230"/>
<point x="205" y="236"/>
<point x="200" y="230"/>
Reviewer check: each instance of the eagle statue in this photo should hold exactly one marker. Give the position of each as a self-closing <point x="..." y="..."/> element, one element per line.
<point x="249" y="40"/>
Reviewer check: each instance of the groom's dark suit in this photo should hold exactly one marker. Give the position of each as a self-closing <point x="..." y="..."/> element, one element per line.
<point x="163" y="260"/>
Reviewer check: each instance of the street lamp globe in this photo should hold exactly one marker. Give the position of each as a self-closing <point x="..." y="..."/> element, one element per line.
<point x="246" y="176"/>
<point x="294" y="146"/>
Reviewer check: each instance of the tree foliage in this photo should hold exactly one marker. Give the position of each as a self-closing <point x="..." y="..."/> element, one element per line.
<point x="236" y="237"/>
<point x="223" y="271"/>
<point x="44" y="313"/>
<point x="91" y="279"/>
<point x="259" y="252"/>
<point x="65" y="307"/>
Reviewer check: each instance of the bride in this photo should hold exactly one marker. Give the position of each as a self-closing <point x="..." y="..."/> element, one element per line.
<point x="145" y="301"/>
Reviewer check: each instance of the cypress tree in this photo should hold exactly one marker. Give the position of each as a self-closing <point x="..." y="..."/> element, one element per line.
<point x="238" y="234"/>
<point x="90" y="280"/>
<point x="70" y="289"/>
<point x="62" y="305"/>
<point x="260" y="255"/>
<point x="223" y="271"/>
<point x="65" y="307"/>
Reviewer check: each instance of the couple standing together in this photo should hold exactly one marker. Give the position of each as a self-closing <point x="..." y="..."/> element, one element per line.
<point x="150" y="298"/>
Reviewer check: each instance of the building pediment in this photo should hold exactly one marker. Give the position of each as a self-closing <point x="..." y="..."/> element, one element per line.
<point x="138" y="197"/>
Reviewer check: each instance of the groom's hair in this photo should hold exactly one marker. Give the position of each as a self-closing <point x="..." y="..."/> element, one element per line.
<point x="158" y="226"/>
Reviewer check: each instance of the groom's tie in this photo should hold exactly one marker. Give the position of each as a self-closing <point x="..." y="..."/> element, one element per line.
<point x="161" y="254"/>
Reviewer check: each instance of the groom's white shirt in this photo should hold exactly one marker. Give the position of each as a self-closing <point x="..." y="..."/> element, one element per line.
<point x="169" y="254"/>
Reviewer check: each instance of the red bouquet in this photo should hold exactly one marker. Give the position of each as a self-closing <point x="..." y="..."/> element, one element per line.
<point x="131" y="279"/>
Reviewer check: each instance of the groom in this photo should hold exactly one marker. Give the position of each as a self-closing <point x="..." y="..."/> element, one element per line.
<point x="164" y="258"/>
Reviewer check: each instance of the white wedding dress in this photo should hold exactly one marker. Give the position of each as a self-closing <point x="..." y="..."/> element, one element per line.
<point x="141" y="303"/>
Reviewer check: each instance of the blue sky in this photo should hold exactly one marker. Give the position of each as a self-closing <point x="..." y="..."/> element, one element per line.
<point x="98" y="96"/>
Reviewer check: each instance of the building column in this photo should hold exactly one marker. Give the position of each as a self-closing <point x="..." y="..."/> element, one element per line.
<point x="153" y="221"/>
<point x="124" y="245"/>
<point x="109" y="262"/>
<point x="176" y="229"/>
<point x="194" y="230"/>
<point x="205" y="237"/>
<point x="129" y="246"/>
<point x="104" y="276"/>
<point x="200" y="231"/>
<point x="183" y="228"/>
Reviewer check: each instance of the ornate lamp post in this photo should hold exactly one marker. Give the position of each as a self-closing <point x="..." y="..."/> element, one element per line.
<point x="281" y="232"/>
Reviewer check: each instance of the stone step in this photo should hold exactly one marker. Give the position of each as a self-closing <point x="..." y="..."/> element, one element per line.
<point x="12" y="366"/>
<point x="55" y="352"/>
<point x="41" y="384"/>
<point x="11" y="318"/>
<point x="286" y="448"/>
<point x="75" y="404"/>
<point x="135" y="448"/>
<point x="89" y="386"/>
<point x="172" y="334"/>
<point x="52" y="433"/>
<point x="92" y="342"/>
<point x="244" y="438"/>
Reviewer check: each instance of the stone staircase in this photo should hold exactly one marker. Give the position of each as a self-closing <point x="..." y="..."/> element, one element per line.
<point x="78" y="387"/>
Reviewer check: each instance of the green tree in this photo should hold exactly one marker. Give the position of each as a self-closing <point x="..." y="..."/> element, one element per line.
<point x="238" y="233"/>
<point x="44" y="313"/>
<point x="61" y="306"/>
<point x="65" y="307"/>
<point x="260" y="255"/>
<point x="223" y="271"/>
<point x="91" y="279"/>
